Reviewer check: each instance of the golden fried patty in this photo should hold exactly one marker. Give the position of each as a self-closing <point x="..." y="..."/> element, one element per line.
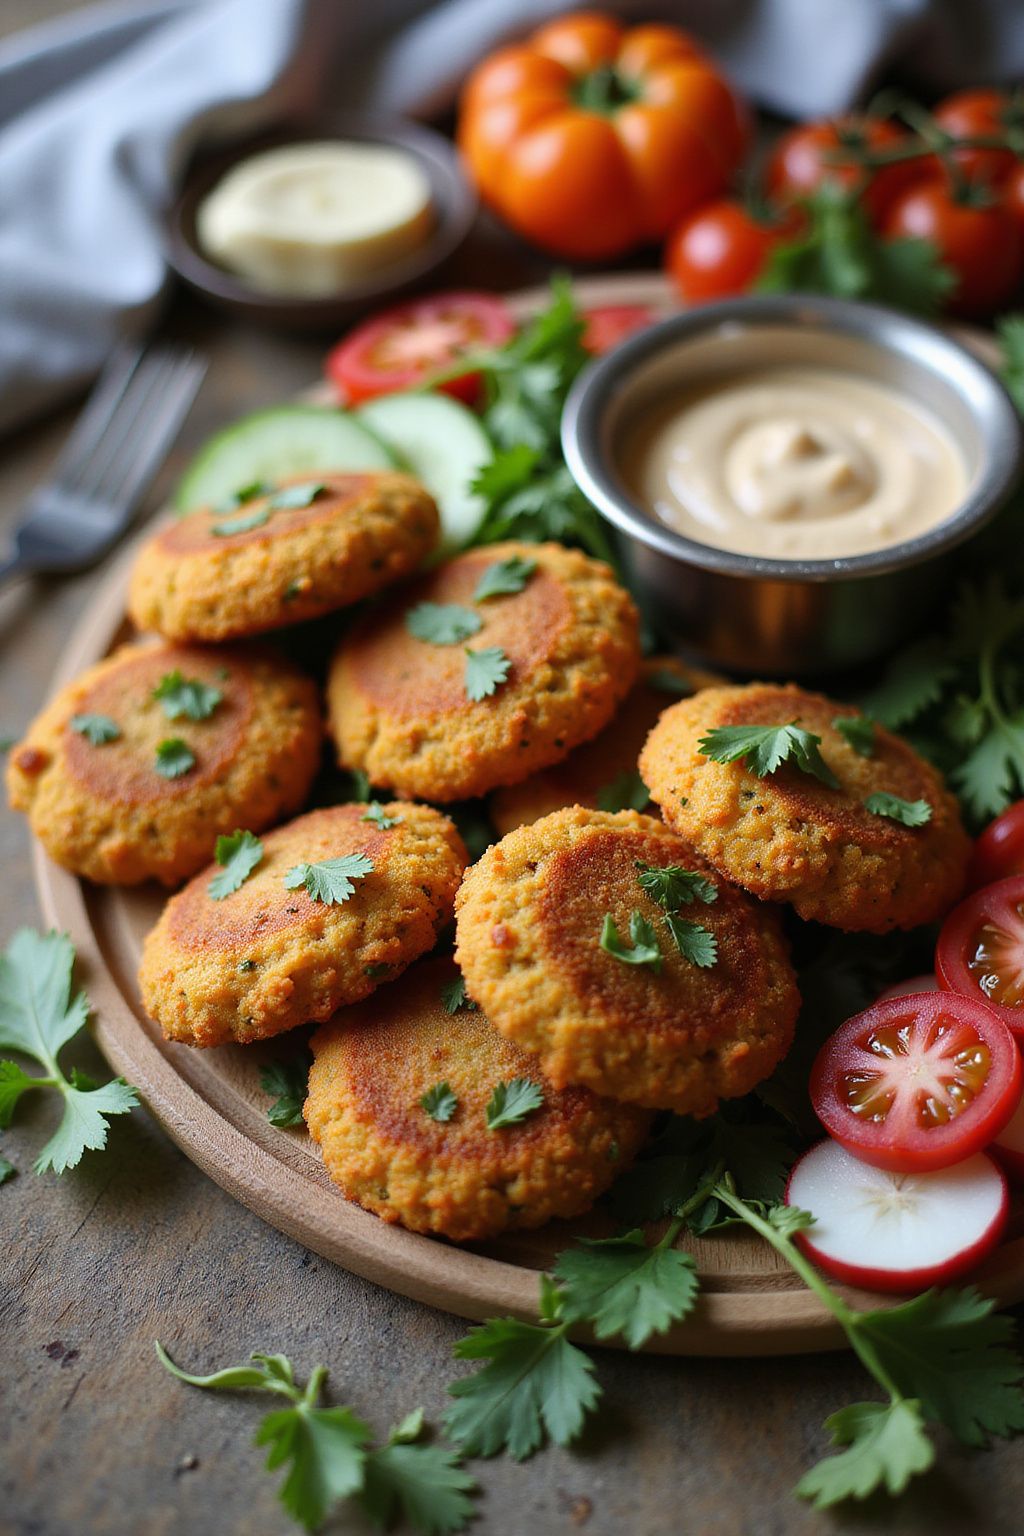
<point x="602" y="773"/>
<point x="400" y="708"/>
<point x="788" y="836"/>
<point x="270" y="955"/>
<point x="103" y="808"/>
<point x="530" y="917"/>
<point x="219" y="574"/>
<point x="373" y="1067"/>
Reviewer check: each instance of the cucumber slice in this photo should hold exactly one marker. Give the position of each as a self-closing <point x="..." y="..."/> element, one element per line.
<point x="271" y="444"/>
<point x="444" y="445"/>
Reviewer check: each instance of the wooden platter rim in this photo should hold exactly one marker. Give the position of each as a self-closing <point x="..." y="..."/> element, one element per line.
<point x="257" y="1166"/>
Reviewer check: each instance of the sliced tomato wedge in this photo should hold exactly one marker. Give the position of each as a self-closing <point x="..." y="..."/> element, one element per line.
<point x="405" y="347"/>
<point x="918" y="1082"/>
<point x="980" y="952"/>
<point x="999" y="851"/>
<point x="609" y="324"/>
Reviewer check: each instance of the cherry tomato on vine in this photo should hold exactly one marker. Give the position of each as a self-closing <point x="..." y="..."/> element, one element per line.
<point x="798" y="164"/>
<point x="999" y="851"/>
<point x="722" y="249"/>
<point x="979" y="114"/>
<point x="609" y="324"/>
<point x="980" y="953"/>
<point x="918" y="1082"/>
<point x="404" y="347"/>
<point x="976" y="237"/>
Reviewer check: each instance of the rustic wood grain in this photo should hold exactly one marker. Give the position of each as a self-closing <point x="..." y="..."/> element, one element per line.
<point x="137" y="1243"/>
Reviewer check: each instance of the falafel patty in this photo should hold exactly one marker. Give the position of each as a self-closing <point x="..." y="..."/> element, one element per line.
<point x="605" y="768"/>
<point x="284" y="947"/>
<point x="790" y="837"/>
<point x="374" y="1065"/>
<point x="282" y="556"/>
<point x="563" y="651"/>
<point x="137" y="766"/>
<point x="676" y="1032"/>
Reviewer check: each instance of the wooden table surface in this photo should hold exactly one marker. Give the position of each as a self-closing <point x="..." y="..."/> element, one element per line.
<point x="137" y="1244"/>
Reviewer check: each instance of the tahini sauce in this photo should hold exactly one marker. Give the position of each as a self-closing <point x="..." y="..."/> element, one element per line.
<point x="799" y="462"/>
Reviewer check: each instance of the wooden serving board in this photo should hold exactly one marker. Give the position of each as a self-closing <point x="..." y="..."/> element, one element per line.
<point x="211" y="1104"/>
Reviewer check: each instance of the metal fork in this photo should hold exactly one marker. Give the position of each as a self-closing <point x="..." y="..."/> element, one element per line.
<point x="122" y="437"/>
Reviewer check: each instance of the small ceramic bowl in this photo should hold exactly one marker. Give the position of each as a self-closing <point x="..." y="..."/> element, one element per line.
<point x="455" y="204"/>
<point x="790" y="617"/>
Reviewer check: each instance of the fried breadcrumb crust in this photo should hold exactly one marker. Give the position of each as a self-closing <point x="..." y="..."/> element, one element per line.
<point x="267" y="958"/>
<point x="372" y="1067"/>
<point x="364" y="532"/>
<point x="105" y="812"/>
<point x="598" y="764"/>
<point x="528" y="925"/>
<point x="398" y="706"/>
<point x="789" y="837"/>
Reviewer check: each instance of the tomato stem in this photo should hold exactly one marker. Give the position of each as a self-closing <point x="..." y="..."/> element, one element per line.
<point x="605" y="90"/>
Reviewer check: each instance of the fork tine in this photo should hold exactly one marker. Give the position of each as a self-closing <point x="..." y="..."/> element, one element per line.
<point x="104" y="399"/>
<point x="149" y="452"/>
<point x="97" y="472"/>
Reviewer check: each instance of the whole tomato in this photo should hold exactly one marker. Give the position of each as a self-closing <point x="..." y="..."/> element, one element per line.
<point x="722" y="249"/>
<point x="799" y="162"/>
<point x="973" y="114"/>
<point x="976" y="237"/>
<point x="591" y="139"/>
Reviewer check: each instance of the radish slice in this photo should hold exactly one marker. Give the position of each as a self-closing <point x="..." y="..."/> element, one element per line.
<point x="1009" y="1145"/>
<point x="897" y="1231"/>
<point x="905" y="988"/>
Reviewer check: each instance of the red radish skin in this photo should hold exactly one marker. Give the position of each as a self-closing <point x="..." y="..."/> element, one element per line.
<point x="974" y="1191"/>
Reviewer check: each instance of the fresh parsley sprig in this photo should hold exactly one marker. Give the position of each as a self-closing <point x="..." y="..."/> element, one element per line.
<point x="672" y="886"/>
<point x="439" y="1102"/>
<point x="764" y="749"/>
<point x="944" y="1358"/>
<point x="98" y="730"/>
<point x="186" y="696"/>
<point x="329" y="1457"/>
<point x="486" y="670"/>
<point x="238" y="854"/>
<point x="287" y="1082"/>
<point x="511" y="1102"/>
<point x="39" y="1015"/>
<point x="454" y="995"/>
<point x="643" y="948"/>
<point x="330" y="881"/>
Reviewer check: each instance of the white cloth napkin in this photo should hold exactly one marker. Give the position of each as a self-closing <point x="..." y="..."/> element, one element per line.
<point x="100" y="111"/>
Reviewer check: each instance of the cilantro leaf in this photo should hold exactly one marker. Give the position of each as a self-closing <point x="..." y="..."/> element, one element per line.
<point x="886" y="1445"/>
<point x="325" y="1448"/>
<point x="422" y="1483"/>
<point x="439" y="1102"/>
<point x="442" y="623"/>
<point x="765" y="748"/>
<point x="97" y="729"/>
<point x="858" y="731"/>
<point x="511" y="1102"/>
<point x="331" y="880"/>
<point x="536" y="1384"/>
<point x="626" y="792"/>
<point x="645" y="949"/>
<point x="287" y="1082"/>
<point x="174" y="758"/>
<point x="693" y="941"/>
<point x="672" y="886"/>
<point x="245" y="522"/>
<point x="291" y="497"/>
<point x="249" y="492"/>
<point x="992" y="774"/>
<point x="376" y="813"/>
<point x="909" y="813"/>
<point x="486" y="670"/>
<point x="238" y="854"/>
<point x="13" y="1083"/>
<point x="912" y="683"/>
<point x="454" y="995"/>
<point x="623" y="1285"/>
<point x="83" y="1127"/>
<point x="187" y="696"/>
<point x="504" y="576"/>
<point x="506" y="472"/>
<point x="954" y="1353"/>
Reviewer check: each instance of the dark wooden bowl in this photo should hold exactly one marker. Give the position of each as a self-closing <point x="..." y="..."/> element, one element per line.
<point x="455" y="205"/>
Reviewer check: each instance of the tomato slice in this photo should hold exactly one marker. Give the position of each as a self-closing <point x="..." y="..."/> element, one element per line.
<point x="405" y="347"/>
<point x="980" y="953"/>
<point x="919" y="1082"/>
<point x="999" y="851"/>
<point x="609" y="324"/>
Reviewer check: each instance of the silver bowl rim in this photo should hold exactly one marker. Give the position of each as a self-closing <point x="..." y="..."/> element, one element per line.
<point x="998" y="422"/>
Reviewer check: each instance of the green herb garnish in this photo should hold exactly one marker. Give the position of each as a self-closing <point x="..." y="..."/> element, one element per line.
<point x="439" y="1102"/>
<point x="287" y="1082"/>
<point x="486" y="670"/>
<point x="672" y="886"/>
<point x="909" y="813"/>
<point x="644" y="950"/>
<point x="174" y="757"/>
<point x="376" y="813"/>
<point x="504" y="576"/>
<point x="765" y="748"/>
<point x="331" y="880"/>
<point x="186" y="696"/>
<point x="238" y="854"/>
<point x="626" y="792"/>
<point x="511" y="1102"/>
<point x="442" y="623"/>
<point x="97" y="729"/>
<point x="858" y="731"/>
<point x="454" y="995"/>
<point x="694" y="941"/>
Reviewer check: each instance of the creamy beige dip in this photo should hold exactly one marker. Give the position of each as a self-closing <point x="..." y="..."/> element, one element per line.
<point x="795" y="462"/>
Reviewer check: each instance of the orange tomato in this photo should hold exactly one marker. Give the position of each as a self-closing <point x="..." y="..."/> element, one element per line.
<point x="590" y="138"/>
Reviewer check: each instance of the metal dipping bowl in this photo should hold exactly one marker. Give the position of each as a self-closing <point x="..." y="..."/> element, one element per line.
<point x="790" y="617"/>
